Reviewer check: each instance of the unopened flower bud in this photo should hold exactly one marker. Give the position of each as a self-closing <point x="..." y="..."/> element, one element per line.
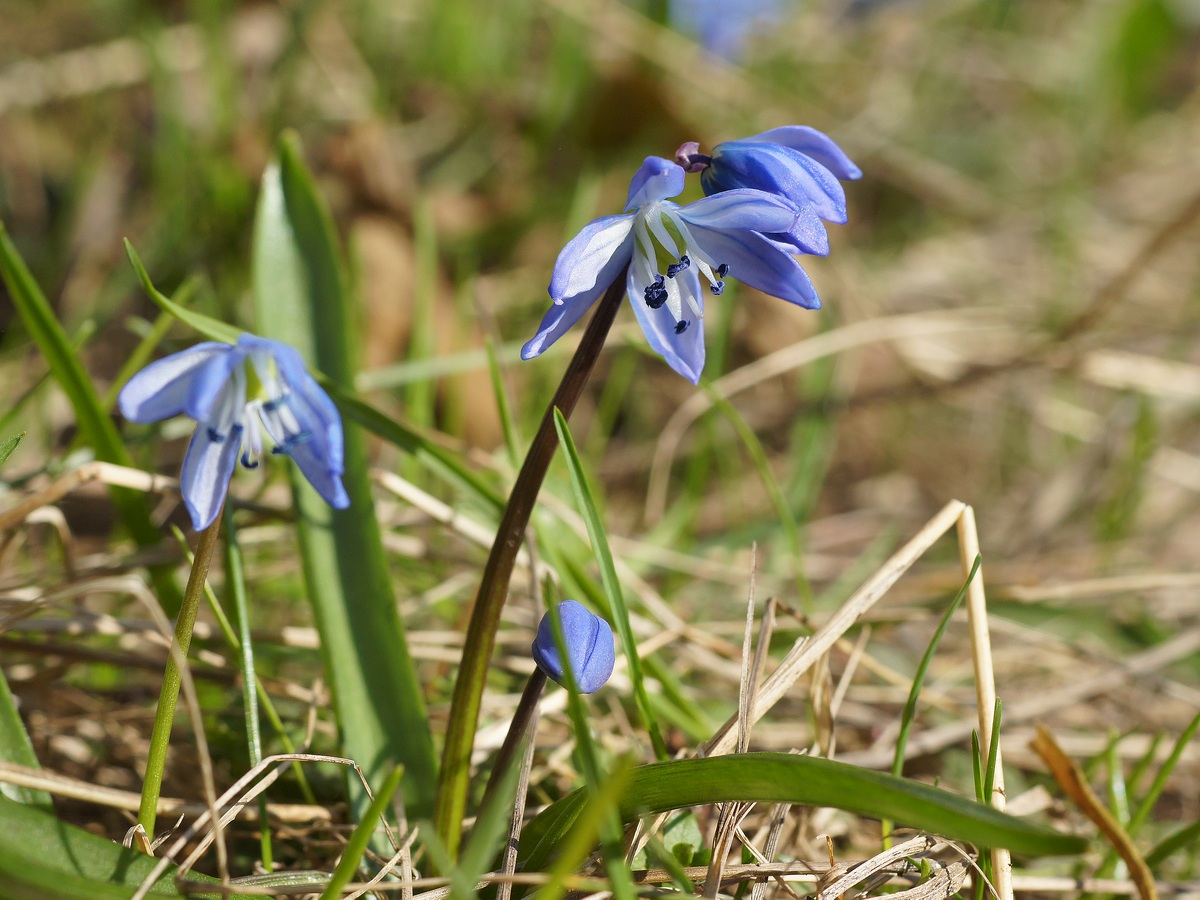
<point x="589" y="643"/>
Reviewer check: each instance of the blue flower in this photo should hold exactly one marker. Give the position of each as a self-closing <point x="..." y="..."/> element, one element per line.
<point x="795" y="161"/>
<point x="589" y="642"/>
<point x="212" y="383"/>
<point x="724" y="26"/>
<point x="670" y="249"/>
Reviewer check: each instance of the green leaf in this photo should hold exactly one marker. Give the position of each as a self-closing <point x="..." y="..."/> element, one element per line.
<point x="206" y="325"/>
<point x="361" y="836"/>
<point x="15" y="747"/>
<point x="95" y="426"/>
<point x="46" y="859"/>
<point x="808" y="780"/>
<point x="608" y="577"/>
<point x="7" y="448"/>
<point x="300" y="299"/>
<point x="910" y="706"/>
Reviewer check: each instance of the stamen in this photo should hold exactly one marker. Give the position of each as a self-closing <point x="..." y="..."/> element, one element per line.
<point x="722" y="270"/>
<point x="300" y="437"/>
<point x="718" y="288"/>
<point x="681" y="326"/>
<point x="215" y="436"/>
<point x="656" y="294"/>
<point x="275" y="403"/>
<point x="675" y="268"/>
<point x="247" y="461"/>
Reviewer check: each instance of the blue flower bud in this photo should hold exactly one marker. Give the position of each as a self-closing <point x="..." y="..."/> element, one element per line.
<point x="589" y="642"/>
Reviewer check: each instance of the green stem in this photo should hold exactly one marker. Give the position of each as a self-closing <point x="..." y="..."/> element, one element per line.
<point x="493" y="588"/>
<point x="164" y="716"/>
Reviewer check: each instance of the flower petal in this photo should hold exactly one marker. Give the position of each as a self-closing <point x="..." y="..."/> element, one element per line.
<point x="558" y="320"/>
<point x="657" y="179"/>
<point x="318" y="444"/>
<point x="161" y="390"/>
<point x="743" y="209"/>
<point x="588" y="640"/>
<point x="683" y="352"/>
<point x="206" y="391"/>
<point x="815" y="144"/>
<point x="757" y="261"/>
<point x="777" y="170"/>
<point x="808" y="235"/>
<point x="592" y="259"/>
<point x="207" y="468"/>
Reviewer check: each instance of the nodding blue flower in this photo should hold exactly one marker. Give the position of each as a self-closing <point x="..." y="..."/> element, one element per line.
<point x="589" y="643"/>
<point x="795" y="161"/>
<point x="225" y="388"/>
<point x="674" y="253"/>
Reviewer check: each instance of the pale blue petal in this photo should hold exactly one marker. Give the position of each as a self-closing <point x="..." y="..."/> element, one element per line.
<point x="777" y="170"/>
<point x="745" y="210"/>
<point x="760" y="263"/>
<point x="207" y="468"/>
<point x="593" y="258"/>
<point x="657" y="179"/>
<point x="319" y="448"/>
<point x="558" y="321"/>
<point x="808" y="235"/>
<point x="683" y="352"/>
<point x="161" y="390"/>
<point x="208" y="383"/>
<point x="815" y="144"/>
<point x="589" y="643"/>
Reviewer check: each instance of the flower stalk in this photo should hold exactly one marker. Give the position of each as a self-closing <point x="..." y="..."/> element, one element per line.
<point x="164" y="715"/>
<point x="493" y="588"/>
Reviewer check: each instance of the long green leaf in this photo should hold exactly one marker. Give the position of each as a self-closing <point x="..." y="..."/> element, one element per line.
<point x="43" y="858"/>
<point x="8" y="447"/>
<point x="808" y="780"/>
<point x="608" y="577"/>
<point x="206" y="325"/>
<point x="300" y="299"/>
<point x="94" y="423"/>
<point x="910" y="705"/>
<point x="16" y="747"/>
<point x="361" y="836"/>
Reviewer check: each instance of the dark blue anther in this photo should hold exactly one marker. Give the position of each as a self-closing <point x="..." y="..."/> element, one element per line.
<point x="275" y="402"/>
<point x="300" y="437"/>
<point x="718" y="288"/>
<point x="247" y="461"/>
<point x="681" y="326"/>
<point x="675" y="268"/>
<point x="215" y="436"/>
<point x="722" y="270"/>
<point x="656" y="294"/>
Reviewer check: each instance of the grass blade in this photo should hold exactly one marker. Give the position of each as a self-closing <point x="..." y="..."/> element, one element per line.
<point x="95" y="426"/>
<point x="235" y="582"/>
<point x="910" y="705"/>
<point x="300" y="299"/>
<point x="206" y="325"/>
<point x="9" y="446"/>
<point x="16" y="747"/>
<point x="608" y="577"/>
<point x="361" y="836"/>
<point x="784" y="778"/>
